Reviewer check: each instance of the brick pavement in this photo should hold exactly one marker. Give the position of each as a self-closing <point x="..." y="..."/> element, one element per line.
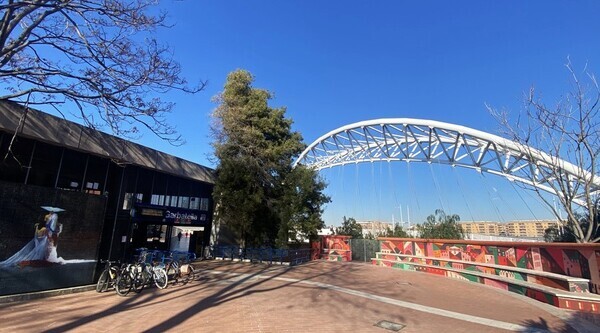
<point x="313" y="297"/>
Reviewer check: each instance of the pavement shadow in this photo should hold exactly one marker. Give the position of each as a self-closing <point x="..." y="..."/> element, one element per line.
<point x="541" y="325"/>
<point x="240" y="286"/>
<point x="578" y="322"/>
<point x="236" y="281"/>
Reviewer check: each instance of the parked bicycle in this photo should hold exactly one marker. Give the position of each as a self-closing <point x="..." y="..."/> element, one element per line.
<point x="153" y="272"/>
<point x="179" y="267"/>
<point x="127" y="279"/>
<point x="109" y="275"/>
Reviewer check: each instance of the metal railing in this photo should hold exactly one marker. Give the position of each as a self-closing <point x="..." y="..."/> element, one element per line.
<point x="364" y="249"/>
<point x="264" y="255"/>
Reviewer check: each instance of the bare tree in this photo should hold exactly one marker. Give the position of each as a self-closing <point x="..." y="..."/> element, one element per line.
<point x="566" y="131"/>
<point x="99" y="55"/>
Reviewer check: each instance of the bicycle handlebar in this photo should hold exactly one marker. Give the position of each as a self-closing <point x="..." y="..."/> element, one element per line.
<point x="104" y="261"/>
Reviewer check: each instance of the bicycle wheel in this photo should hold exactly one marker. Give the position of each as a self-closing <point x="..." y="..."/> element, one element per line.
<point x="160" y="278"/>
<point x="192" y="275"/>
<point x="184" y="273"/>
<point x="102" y="283"/>
<point x="139" y="281"/>
<point x="173" y="272"/>
<point x="123" y="283"/>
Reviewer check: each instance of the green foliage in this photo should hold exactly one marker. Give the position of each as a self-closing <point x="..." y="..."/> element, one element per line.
<point x="350" y="228"/>
<point x="300" y="205"/>
<point x="370" y="236"/>
<point x="552" y="234"/>
<point x="566" y="233"/>
<point x="396" y="232"/>
<point x="261" y="199"/>
<point x="441" y="226"/>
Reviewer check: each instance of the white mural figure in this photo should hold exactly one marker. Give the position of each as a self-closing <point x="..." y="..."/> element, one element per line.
<point x="42" y="248"/>
<point x="54" y="229"/>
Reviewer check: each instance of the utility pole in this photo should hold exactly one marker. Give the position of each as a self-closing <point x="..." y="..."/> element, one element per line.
<point x="408" y="215"/>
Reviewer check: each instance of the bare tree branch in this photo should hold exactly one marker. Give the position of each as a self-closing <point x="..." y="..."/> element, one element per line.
<point x="98" y="55"/>
<point x="569" y="130"/>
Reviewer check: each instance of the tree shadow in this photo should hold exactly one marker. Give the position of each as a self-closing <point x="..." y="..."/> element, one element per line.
<point x="577" y="322"/>
<point x="541" y="325"/>
<point x="235" y="281"/>
<point x="242" y="285"/>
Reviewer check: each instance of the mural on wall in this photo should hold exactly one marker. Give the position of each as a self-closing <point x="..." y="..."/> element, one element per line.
<point x="583" y="262"/>
<point x="42" y="249"/>
<point x="336" y="248"/>
<point x="49" y="238"/>
<point x="515" y="267"/>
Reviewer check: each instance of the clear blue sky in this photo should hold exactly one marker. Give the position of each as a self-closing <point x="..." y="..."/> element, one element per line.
<point x="332" y="63"/>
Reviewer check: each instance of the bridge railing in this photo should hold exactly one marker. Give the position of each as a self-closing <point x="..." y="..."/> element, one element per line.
<point x="262" y="254"/>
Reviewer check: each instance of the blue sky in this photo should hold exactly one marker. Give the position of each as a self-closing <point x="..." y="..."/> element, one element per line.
<point x="332" y="63"/>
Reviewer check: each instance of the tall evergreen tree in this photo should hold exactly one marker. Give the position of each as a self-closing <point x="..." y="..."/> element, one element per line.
<point x="261" y="199"/>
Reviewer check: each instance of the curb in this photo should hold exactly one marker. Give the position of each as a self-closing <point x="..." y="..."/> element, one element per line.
<point x="45" y="293"/>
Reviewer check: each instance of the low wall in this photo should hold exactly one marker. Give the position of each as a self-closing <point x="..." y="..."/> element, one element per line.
<point x="336" y="248"/>
<point x="576" y="260"/>
<point x="265" y="255"/>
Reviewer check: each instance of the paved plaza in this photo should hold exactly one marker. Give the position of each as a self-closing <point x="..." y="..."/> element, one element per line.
<point x="313" y="297"/>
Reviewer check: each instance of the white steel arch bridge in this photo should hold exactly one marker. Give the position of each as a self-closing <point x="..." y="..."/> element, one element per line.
<point x="419" y="140"/>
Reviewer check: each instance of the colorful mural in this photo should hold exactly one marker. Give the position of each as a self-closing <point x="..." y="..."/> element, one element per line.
<point x="336" y="248"/>
<point x="48" y="238"/>
<point x="519" y="266"/>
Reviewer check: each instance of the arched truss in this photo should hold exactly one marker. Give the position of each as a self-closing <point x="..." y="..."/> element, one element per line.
<point x="418" y="140"/>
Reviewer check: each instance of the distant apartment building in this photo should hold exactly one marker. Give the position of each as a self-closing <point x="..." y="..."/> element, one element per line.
<point x="484" y="228"/>
<point x="528" y="228"/>
<point x="533" y="229"/>
<point x="375" y="228"/>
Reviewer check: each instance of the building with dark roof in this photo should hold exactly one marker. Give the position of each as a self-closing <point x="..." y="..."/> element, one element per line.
<point x="71" y="195"/>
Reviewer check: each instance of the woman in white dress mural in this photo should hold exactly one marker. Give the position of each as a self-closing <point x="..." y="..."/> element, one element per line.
<point x="41" y="250"/>
<point x="54" y="229"/>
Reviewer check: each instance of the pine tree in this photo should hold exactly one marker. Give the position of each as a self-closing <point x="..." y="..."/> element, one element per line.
<point x="260" y="197"/>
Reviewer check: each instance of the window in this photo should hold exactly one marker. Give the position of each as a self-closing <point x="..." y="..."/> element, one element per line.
<point x="156" y="233"/>
<point x="44" y="166"/>
<point x="129" y="198"/>
<point x="14" y="168"/>
<point x="95" y="175"/>
<point x="194" y="203"/>
<point x="92" y="188"/>
<point x="184" y="202"/>
<point x="73" y="167"/>
<point x="127" y="201"/>
<point x="204" y="204"/>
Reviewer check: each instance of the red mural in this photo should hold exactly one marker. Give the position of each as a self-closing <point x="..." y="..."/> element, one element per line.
<point x="570" y="268"/>
<point x="336" y="248"/>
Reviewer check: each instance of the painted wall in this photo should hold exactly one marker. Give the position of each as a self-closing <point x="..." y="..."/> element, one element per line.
<point x="336" y="248"/>
<point x="49" y="238"/>
<point x="576" y="260"/>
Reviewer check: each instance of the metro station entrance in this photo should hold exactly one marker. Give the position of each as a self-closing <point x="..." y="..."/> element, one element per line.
<point x="187" y="238"/>
<point x="168" y="229"/>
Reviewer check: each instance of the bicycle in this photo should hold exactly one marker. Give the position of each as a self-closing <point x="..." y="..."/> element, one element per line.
<point x="125" y="281"/>
<point x="180" y="270"/>
<point x="108" y="276"/>
<point x="158" y="275"/>
<point x="191" y="271"/>
<point x="153" y="272"/>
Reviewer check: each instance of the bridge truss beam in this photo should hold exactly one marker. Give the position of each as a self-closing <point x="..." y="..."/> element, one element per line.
<point x="418" y="140"/>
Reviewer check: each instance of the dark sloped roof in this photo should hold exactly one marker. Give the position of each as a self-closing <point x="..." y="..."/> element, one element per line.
<point x="54" y="130"/>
